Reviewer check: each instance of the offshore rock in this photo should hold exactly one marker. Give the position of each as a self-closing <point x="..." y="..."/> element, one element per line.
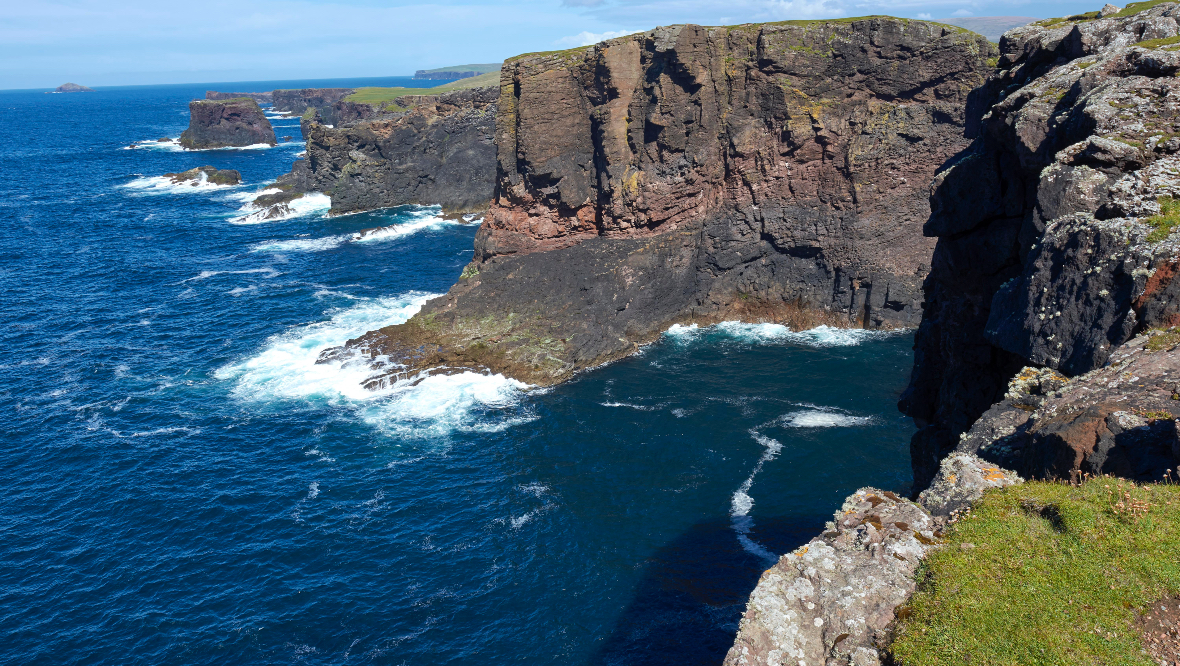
<point x="439" y="151"/>
<point x="206" y="174"/>
<point x="225" y="123"/>
<point x="71" y="87"/>
<point x="771" y="172"/>
<point x="832" y="601"/>
<point x="1048" y="254"/>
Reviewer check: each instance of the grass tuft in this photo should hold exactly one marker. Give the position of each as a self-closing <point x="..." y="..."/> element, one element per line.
<point x="1167" y="220"/>
<point x="1046" y="573"/>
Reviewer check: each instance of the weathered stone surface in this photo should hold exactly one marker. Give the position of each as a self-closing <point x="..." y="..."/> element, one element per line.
<point x="206" y="174"/>
<point x="832" y="601"/>
<point x="224" y="123"/>
<point x="767" y="172"/>
<point x="440" y="151"/>
<point x="1118" y="420"/>
<point x="1044" y="255"/>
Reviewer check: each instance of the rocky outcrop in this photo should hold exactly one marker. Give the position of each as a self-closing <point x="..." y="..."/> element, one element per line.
<point x="1054" y="227"/>
<point x="260" y="97"/>
<point x="771" y="172"/>
<point x="832" y="601"/>
<point x="439" y="151"/>
<point x="71" y="87"/>
<point x="318" y="100"/>
<point x="1118" y="420"/>
<point x="225" y="123"/>
<point x="206" y="174"/>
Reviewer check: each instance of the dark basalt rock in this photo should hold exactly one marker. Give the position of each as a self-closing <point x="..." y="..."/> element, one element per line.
<point x="302" y="100"/>
<point x="762" y="172"/>
<point x="207" y="174"/>
<point x="1044" y="256"/>
<point x="226" y="123"/>
<point x="440" y="152"/>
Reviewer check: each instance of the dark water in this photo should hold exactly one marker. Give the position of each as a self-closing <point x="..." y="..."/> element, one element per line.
<point x="183" y="485"/>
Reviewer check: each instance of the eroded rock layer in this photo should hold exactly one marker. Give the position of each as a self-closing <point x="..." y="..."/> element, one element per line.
<point x="1054" y="227"/>
<point x="773" y="172"/>
<point x="439" y="151"/>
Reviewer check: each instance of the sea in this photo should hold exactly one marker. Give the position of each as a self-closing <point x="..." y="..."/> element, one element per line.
<point x="182" y="483"/>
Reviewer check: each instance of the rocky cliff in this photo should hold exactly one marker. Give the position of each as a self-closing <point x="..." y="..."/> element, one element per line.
<point x="260" y="97"/>
<point x="774" y="172"/>
<point x="222" y="123"/>
<point x="321" y="100"/>
<point x="433" y="149"/>
<point x="1053" y="229"/>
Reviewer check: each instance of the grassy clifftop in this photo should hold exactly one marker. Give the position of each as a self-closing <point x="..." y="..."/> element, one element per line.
<point x="386" y="95"/>
<point x="1051" y="573"/>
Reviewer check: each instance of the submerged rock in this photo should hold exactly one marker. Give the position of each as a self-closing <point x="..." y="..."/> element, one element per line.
<point x="226" y="123"/>
<point x="772" y="172"/>
<point x="206" y="174"/>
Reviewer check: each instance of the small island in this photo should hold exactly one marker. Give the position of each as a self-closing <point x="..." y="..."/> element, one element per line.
<point x="70" y="88"/>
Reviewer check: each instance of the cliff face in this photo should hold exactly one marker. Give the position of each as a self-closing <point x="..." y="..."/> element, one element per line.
<point x="322" y="100"/>
<point x="1053" y="227"/>
<point x="221" y="123"/>
<point x="440" y="151"/>
<point x="771" y="172"/>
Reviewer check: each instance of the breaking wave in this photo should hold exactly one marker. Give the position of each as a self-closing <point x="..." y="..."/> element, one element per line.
<point x="313" y="203"/>
<point x="760" y="334"/>
<point x="422" y="407"/>
<point x="164" y="185"/>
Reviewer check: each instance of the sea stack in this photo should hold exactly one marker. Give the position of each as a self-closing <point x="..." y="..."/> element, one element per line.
<point x="226" y="123"/>
<point x="71" y="87"/>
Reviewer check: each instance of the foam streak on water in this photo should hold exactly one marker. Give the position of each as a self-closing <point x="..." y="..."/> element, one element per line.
<point x="741" y="502"/>
<point x="764" y="334"/>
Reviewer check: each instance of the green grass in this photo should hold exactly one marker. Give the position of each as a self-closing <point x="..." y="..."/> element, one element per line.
<point x="1044" y="573"/>
<point x="1157" y="43"/>
<point x="1134" y="8"/>
<point x="1167" y="220"/>
<point x="385" y="96"/>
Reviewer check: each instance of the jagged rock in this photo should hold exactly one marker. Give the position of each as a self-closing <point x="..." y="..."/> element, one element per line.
<point x="301" y="100"/>
<point x="763" y="172"/>
<point x="225" y="123"/>
<point x="440" y="152"/>
<point x="207" y="174"/>
<point x="832" y="601"/>
<point x="1045" y="255"/>
<point x="1118" y="420"/>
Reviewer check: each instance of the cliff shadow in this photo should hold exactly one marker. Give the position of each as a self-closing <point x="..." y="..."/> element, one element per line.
<point x="693" y="592"/>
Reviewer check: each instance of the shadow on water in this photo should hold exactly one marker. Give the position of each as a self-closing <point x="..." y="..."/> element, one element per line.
<point x="693" y="592"/>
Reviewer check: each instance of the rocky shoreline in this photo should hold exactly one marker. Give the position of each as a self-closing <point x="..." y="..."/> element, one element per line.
<point x="688" y="174"/>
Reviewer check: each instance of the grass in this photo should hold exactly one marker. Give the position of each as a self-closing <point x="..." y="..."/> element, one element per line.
<point x="1157" y="43"/>
<point x="1167" y="220"/>
<point x="1134" y="8"/>
<point x="1046" y="573"/>
<point x="1163" y="341"/>
<point x="385" y="96"/>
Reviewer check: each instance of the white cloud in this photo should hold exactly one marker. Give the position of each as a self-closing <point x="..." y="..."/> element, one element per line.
<point x="925" y="16"/>
<point x="963" y="12"/>
<point x="587" y="38"/>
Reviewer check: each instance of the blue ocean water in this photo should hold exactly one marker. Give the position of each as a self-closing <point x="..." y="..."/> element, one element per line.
<point x="183" y="484"/>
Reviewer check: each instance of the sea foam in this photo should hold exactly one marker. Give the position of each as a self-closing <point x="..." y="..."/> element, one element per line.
<point x="741" y="502"/>
<point x="164" y="185"/>
<point x="759" y="334"/>
<point x="425" y="406"/>
<point x="313" y="203"/>
<point x="822" y="417"/>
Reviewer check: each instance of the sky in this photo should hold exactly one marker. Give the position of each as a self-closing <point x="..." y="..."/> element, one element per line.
<point x="44" y="43"/>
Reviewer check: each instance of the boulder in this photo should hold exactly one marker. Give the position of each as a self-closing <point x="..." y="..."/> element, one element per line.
<point x="206" y="174"/>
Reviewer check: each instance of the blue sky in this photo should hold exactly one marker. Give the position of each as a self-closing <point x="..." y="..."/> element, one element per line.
<point x="114" y="42"/>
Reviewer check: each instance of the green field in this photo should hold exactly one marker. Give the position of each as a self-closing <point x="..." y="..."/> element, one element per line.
<point x="482" y="69"/>
<point x="384" y="97"/>
<point x="1048" y="573"/>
